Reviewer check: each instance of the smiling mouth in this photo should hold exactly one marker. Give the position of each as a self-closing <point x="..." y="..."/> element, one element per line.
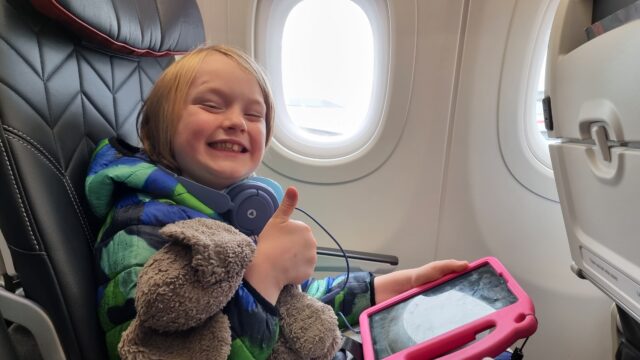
<point x="227" y="146"/>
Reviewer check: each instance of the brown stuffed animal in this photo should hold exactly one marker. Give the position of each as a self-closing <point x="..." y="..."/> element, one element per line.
<point x="184" y="286"/>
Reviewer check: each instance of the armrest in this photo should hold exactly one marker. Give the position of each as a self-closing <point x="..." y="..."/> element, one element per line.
<point x="29" y="314"/>
<point x="331" y="260"/>
<point x="359" y="255"/>
<point x="7" y="350"/>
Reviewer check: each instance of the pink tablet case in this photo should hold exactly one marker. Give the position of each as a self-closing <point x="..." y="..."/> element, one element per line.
<point x="513" y="322"/>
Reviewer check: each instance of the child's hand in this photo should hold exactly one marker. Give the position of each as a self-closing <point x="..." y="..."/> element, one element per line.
<point x="285" y="252"/>
<point x="435" y="270"/>
<point x="290" y="242"/>
<point x="389" y="285"/>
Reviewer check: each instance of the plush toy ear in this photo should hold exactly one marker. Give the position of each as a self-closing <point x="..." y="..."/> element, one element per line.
<point x="192" y="277"/>
<point x="309" y="328"/>
<point x="218" y="250"/>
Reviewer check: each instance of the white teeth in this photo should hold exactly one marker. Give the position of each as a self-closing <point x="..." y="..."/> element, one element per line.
<point x="227" y="146"/>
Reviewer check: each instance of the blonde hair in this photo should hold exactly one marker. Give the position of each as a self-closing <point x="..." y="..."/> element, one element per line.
<point x="162" y="110"/>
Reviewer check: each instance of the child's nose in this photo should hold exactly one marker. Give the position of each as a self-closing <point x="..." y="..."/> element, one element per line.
<point x="235" y="120"/>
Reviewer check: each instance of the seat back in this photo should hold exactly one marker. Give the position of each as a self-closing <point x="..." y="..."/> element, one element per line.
<point x="60" y="93"/>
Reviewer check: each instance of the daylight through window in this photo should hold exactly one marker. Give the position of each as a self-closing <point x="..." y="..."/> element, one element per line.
<point x="327" y="69"/>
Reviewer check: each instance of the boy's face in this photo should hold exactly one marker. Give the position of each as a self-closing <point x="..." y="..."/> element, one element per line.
<point x="220" y="137"/>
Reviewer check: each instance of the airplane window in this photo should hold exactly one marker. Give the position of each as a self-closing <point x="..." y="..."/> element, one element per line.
<point x="324" y="62"/>
<point x="327" y="70"/>
<point x="523" y="139"/>
<point x="331" y="65"/>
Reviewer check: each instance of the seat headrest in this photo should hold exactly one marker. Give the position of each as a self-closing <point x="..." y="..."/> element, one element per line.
<point x="132" y="27"/>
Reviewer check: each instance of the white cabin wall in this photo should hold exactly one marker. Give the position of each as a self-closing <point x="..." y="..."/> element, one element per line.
<point x="228" y="22"/>
<point x="487" y="212"/>
<point x="215" y="18"/>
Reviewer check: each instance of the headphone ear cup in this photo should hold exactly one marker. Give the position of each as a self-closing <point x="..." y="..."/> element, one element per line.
<point x="253" y="205"/>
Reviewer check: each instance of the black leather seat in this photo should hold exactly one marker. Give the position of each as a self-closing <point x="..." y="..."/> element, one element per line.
<point x="63" y="88"/>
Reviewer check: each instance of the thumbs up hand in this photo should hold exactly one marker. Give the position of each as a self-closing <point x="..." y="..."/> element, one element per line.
<point x="285" y="252"/>
<point x="289" y="203"/>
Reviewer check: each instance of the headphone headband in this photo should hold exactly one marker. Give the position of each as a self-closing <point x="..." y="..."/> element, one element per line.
<point x="247" y="205"/>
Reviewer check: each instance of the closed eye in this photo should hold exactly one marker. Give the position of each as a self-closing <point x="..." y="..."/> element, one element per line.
<point x="255" y="116"/>
<point x="212" y="106"/>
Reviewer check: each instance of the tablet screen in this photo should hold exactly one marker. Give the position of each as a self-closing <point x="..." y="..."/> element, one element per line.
<point x="438" y="310"/>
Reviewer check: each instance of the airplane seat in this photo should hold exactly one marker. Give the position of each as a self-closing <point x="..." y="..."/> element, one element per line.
<point x="591" y="91"/>
<point x="627" y="346"/>
<point x="71" y="73"/>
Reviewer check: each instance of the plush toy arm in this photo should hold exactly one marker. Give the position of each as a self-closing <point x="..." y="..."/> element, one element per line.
<point x="194" y="276"/>
<point x="309" y="328"/>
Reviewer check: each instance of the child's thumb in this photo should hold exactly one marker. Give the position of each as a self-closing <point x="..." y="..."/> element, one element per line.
<point x="289" y="203"/>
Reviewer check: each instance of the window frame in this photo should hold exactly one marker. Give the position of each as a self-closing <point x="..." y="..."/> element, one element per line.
<point x="394" y="45"/>
<point x="523" y="61"/>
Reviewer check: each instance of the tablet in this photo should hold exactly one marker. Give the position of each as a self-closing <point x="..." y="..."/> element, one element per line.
<point x="467" y="315"/>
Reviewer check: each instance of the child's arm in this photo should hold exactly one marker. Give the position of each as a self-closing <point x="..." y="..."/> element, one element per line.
<point x="364" y="290"/>
<point x="389" y="285"/>
<point x="285" y="252"/>
<point x="346" y="301"/>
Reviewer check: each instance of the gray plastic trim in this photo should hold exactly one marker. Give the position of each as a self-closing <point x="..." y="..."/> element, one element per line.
<point x="27" y="313"/>
<point x="576" y="270"/>
<point x="7" y="350"/>
<point x="613" y="296"/>
<point x="615" y="330"/>
<point x="6" y="264"/>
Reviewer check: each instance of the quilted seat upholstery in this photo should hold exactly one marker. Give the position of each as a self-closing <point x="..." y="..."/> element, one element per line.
<point x="58" y="97"/>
